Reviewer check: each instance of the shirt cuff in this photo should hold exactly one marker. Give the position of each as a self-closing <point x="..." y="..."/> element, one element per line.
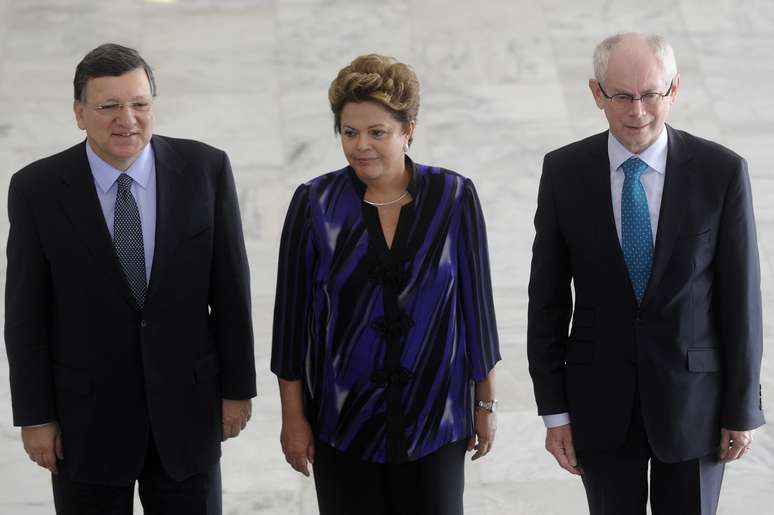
<point x="559" y="419"/>
<point x="40" y="425"/>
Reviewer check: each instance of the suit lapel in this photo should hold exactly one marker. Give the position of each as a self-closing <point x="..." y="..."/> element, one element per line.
<point x="599" y="165"/>
<point x="81" y="205"/>
<point x="170" y="208"/>
<point x="676" y="189"/>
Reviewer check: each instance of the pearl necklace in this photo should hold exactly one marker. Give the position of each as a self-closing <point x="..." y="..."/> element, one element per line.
<point x="382" y="204"/>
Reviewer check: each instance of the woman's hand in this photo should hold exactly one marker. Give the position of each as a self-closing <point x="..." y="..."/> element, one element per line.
<point x="485" y="428"/>
<point x="297" y="443"/>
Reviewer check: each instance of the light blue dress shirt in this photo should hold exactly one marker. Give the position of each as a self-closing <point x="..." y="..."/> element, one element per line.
<point x="143" y="173"/>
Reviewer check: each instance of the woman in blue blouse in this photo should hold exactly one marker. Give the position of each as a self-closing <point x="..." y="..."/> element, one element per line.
<point x="385" y="339"/>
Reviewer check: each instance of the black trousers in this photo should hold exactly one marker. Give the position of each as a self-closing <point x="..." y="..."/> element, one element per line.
<point x="159" y="493"/>
<point x="432" y="485"/>
<point x="616" y="482"/>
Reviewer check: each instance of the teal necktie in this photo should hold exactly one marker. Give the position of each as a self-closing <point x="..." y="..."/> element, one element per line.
<point x="636" y="235"/>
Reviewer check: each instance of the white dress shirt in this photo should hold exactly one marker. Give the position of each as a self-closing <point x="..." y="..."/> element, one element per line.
<point x="652" y="181"/>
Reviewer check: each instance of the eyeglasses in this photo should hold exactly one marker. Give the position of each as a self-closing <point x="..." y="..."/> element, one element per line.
<point x="112" y="108"/>
<point x="622" y="100"/>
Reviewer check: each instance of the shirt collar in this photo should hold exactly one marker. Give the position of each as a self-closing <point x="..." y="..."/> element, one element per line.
<point x="655" y="155"/>
<point x="105" y="175"/>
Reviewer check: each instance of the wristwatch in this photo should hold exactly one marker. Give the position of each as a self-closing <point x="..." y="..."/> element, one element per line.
<point x="490" y="406"/>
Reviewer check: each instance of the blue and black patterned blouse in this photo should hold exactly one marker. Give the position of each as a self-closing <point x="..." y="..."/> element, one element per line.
<point x="389" y="342"/>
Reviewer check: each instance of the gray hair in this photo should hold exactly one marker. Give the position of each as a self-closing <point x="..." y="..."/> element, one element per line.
<point x="663" y="51"/>
<point x="109" y="60"/>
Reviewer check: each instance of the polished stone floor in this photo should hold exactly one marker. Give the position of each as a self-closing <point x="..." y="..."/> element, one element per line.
<point x="504" y="81"/>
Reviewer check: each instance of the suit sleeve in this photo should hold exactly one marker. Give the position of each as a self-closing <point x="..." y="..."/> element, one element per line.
<point x="483" y="346"/>
<point x="738" y="306"/>
<point x="230" y="309"/>
<point x="294" y="287"/>
<point x="27" y="307"/>
<point x="550" y="303"/>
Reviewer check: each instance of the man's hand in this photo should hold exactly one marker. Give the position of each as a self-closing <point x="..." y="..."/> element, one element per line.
<point x="297" y="443"/>
<point x="733" y="444"/>
<point x="485" y="428"/>
<point x="43" y="445"/>
<point x="559" y="443"/>
<point x="235" y="417"/>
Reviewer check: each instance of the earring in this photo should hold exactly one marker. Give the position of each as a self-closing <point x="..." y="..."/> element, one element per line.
<point x="405" y="148"/>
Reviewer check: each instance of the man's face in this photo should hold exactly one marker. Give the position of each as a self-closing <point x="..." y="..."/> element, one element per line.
<point x="117" y="116"/>
<point x="634" y="70"/>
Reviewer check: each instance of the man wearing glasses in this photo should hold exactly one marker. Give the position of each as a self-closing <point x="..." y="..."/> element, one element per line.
<point x="654" y="229"/>
<point x="127" y="321"/>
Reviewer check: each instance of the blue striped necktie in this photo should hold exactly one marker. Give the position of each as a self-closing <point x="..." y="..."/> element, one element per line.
<point x="636" y="235"/>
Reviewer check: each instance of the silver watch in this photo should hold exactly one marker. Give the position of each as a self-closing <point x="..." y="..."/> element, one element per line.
<point x="490" y="406"/>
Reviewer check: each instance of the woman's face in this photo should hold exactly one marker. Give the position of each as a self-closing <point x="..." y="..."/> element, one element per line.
<point x="373" y="140"/>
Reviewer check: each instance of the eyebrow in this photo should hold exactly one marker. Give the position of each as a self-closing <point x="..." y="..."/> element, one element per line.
<point x="132" y="99"/>
<point x="369" y="127"/>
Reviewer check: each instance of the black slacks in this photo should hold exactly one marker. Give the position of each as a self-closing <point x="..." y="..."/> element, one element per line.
<point x="432" y="485"/>
<point x="159" y="493"/>
<point x="616" y="482"/>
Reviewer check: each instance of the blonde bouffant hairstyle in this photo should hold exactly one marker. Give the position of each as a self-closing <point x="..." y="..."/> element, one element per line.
<point x="376" y="78"/>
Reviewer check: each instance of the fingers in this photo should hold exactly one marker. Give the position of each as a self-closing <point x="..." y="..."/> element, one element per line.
<point x="471" y="443"/>
<point x="724" y="445"/>
<point x="559" y="444"/>
<point x="236" y="414"/>
<point x="43" y="444"/>
<point x="230" y="430"/>
<point x="482" y="447"/>
<point x="58" y="447"/>
<point x="310" y="453"/>
<point x="572" y="459"/>
<point x="233" y="426"/>
<point x="733" y="445"/>
<point x="299" y="462"/>
<point x="45" y="459"/>
<point x="297" y="443"/>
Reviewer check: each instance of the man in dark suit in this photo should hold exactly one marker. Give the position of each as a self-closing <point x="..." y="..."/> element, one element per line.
<point x="127" y="322"/>
<point x="654" y="229"/>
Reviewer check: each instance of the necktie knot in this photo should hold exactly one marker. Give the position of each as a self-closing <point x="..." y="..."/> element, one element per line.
<point x="634" y="167"/>
<point x="124" y="183"/>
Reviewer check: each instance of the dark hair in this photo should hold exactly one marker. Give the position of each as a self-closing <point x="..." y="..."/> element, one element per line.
<point x="109" y="60"/>
<point x="376" y="78"/>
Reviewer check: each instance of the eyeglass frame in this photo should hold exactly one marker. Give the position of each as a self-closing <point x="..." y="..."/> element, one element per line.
<point x="632" y="99"/>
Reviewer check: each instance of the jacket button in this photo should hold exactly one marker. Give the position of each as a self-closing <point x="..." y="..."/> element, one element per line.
<point x="143" y="323"/>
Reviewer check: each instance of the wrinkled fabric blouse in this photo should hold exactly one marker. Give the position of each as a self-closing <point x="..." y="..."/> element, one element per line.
<point x="388" y="342"/>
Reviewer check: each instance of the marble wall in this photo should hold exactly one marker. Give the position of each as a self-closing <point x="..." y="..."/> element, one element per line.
<point x="504" y="81"/>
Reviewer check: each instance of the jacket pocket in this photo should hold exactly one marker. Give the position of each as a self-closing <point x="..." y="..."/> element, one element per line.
<point x="207" y="368"/>
<point x="704" y="360"/>
<point x="195" y="235"/>
<point x="66" y="378"/>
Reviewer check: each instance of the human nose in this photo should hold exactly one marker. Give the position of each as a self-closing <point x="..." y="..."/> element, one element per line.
<point x="125" y="114"/>
<point x="363" y="142"/>
<point x="637" y="107"/>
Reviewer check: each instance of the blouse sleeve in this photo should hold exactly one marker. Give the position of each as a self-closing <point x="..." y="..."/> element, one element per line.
<point x="483" y="347"/>
<point x="294" y="288"/>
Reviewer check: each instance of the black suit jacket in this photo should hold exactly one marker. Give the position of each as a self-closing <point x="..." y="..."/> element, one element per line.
<point x="693" y="347"/>
<point x="79" y="350"/>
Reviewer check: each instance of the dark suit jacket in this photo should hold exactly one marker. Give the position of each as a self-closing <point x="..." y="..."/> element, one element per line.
<point x="81" y="353"/>
<point x="693" y="348"/>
